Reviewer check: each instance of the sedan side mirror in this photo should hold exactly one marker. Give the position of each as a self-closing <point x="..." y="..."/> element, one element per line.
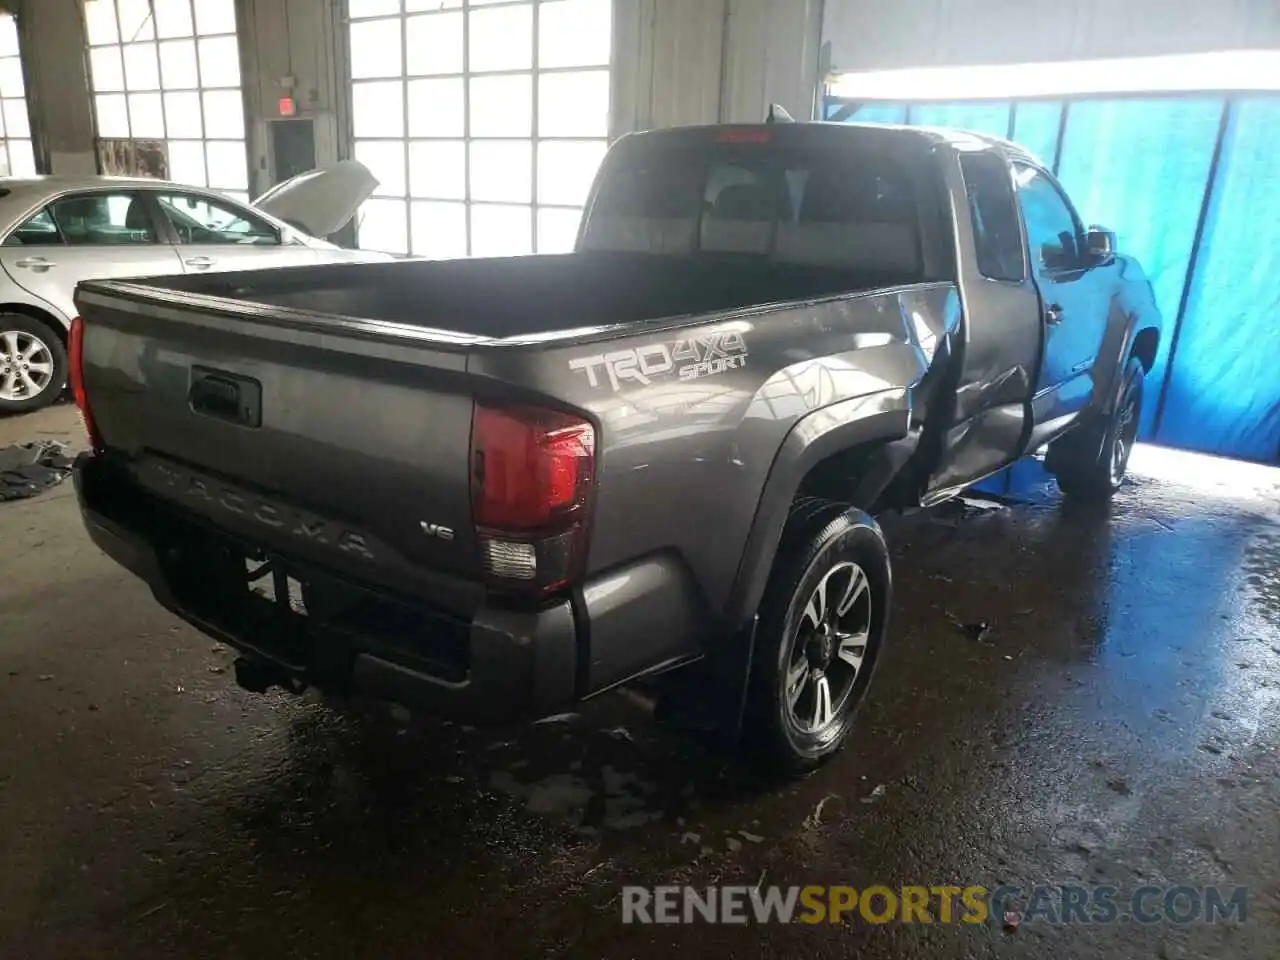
<point x="1100" y="244"/>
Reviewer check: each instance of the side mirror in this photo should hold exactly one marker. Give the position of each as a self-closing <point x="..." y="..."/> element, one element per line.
<point x="1100" y="244"/>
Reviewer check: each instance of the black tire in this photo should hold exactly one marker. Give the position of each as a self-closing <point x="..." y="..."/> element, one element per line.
<point x="30" y="330"/>
<point x="1090" y="462"/>
<point x="822" y="540"/>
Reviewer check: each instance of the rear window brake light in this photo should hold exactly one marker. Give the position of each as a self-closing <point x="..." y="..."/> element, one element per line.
<point x="744" y="136"/>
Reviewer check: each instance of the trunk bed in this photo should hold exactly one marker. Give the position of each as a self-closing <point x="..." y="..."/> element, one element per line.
<point x="519" y="296"/>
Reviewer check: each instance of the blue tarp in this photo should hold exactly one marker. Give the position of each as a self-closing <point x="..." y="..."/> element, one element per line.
<point x="1141" y="165"/>
<point x="1224" y="392"/>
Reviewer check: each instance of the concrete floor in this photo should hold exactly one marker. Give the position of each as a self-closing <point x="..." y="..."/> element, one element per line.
<point x="1120" y="723"/>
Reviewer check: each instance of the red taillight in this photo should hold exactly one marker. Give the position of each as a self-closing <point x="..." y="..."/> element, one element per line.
<point x="531" y="480"/>
<point x="75" y="373"/>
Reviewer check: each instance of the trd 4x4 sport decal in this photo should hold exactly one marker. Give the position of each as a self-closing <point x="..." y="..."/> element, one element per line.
<point x="687" y="359"/>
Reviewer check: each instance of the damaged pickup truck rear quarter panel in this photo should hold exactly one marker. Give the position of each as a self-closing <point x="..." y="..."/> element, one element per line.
<point x="703" y="425"/>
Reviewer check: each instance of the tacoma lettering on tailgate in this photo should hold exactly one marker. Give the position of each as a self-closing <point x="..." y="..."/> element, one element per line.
<point x="215" y="497"/>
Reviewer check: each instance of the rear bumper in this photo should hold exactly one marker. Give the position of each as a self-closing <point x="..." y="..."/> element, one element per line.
<point x="495" y="665"/>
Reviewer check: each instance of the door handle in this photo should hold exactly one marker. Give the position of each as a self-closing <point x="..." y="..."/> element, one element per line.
<point x="200" y="263"/>
<point x="35" y="263"/>
<point x="1053" y="314"/>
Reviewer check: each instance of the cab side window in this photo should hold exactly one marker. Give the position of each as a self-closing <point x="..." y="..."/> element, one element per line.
<point x="199" y="219"/>
<point x="994" y="214"/>
<point x="1052" y="231"/>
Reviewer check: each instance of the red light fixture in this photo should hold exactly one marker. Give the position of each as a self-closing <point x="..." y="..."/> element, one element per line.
<point x="532" y="474"/>
<point x="75" y="374"/>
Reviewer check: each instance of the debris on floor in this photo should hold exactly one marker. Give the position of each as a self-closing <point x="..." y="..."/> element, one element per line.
<point x="976" y="631"/>
<point x="874" y="795"/>
<point x="27" y="469"/>
<point x="815" y="819"/>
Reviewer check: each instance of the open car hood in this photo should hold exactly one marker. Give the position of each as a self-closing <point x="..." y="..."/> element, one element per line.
<point x="321" y="201"/>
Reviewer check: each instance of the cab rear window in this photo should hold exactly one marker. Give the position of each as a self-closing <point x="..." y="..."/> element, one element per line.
<point x="828" y="208"/>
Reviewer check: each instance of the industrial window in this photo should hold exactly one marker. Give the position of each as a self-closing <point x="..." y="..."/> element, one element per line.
<point x="994" y="215"/>
<point x="169" y="70"/>
<point x="17" y="159"/>
<point x="483" y="121"/>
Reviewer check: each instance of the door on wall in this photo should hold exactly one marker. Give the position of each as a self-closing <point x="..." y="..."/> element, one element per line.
<point x="484" y="122"/>
<point x="293" y="148"/>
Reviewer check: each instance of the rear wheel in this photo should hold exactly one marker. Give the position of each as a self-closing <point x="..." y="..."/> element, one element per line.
<point x="33" y="364"/>
<point x="822" y="623"/>
<point x="1090" y="462"/>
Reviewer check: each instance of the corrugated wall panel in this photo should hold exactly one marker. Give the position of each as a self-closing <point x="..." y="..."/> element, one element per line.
<point x="771" y="56"/>
<point x="873" y="35"/>
<point x="667" y="63"/>
<point x="702" y="61"/>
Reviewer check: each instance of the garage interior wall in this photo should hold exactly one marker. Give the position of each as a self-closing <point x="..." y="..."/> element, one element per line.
<point x="17" y="156"/>
<point x="872" y="35"/>
<point x="679" y="62"/>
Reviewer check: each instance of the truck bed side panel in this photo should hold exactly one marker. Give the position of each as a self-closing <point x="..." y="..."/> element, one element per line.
<point x="692" y="418"/>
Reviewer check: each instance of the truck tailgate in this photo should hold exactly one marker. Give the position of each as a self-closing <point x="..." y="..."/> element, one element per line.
<point x="320" y="438"/>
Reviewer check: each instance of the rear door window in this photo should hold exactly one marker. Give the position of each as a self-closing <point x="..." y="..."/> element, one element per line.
<point x="993" y="211"/>
<point x="830" y="208"/>
<point x="104" y="219"/>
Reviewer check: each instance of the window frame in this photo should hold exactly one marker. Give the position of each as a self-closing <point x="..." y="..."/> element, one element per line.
<point x="1036" y="265"/>
<point x="1006" y="169"/>
<point x="282" y="237"/>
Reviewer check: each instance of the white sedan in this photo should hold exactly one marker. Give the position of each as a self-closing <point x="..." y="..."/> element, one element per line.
<point x="57" y="231"/>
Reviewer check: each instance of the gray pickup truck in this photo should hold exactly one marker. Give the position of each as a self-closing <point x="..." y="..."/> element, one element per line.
<point x="496" y="487"/>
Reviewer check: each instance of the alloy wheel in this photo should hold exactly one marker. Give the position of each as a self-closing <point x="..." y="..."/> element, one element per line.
<point x="26" y="365"/>
<point x="1126" y="433"/>
<point x="827" y="651"/>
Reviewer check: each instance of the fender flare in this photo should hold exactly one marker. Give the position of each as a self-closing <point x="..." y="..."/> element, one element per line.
<point x="880" y="417"/>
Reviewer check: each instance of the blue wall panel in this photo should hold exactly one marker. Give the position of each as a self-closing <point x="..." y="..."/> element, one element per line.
<point x="1224" y="391"/>
<point x="880" y="113"/>
<point x="989" y="118"/>
<point x="1141" y="166"/>
<point x="1035" y="126"/>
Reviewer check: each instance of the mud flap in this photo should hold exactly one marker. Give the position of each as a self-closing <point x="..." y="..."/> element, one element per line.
<point x="708" y="699"/>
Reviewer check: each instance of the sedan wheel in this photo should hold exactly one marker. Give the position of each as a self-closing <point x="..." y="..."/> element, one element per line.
<point x="26" y="366"/>
<point x="33" y="363"/>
